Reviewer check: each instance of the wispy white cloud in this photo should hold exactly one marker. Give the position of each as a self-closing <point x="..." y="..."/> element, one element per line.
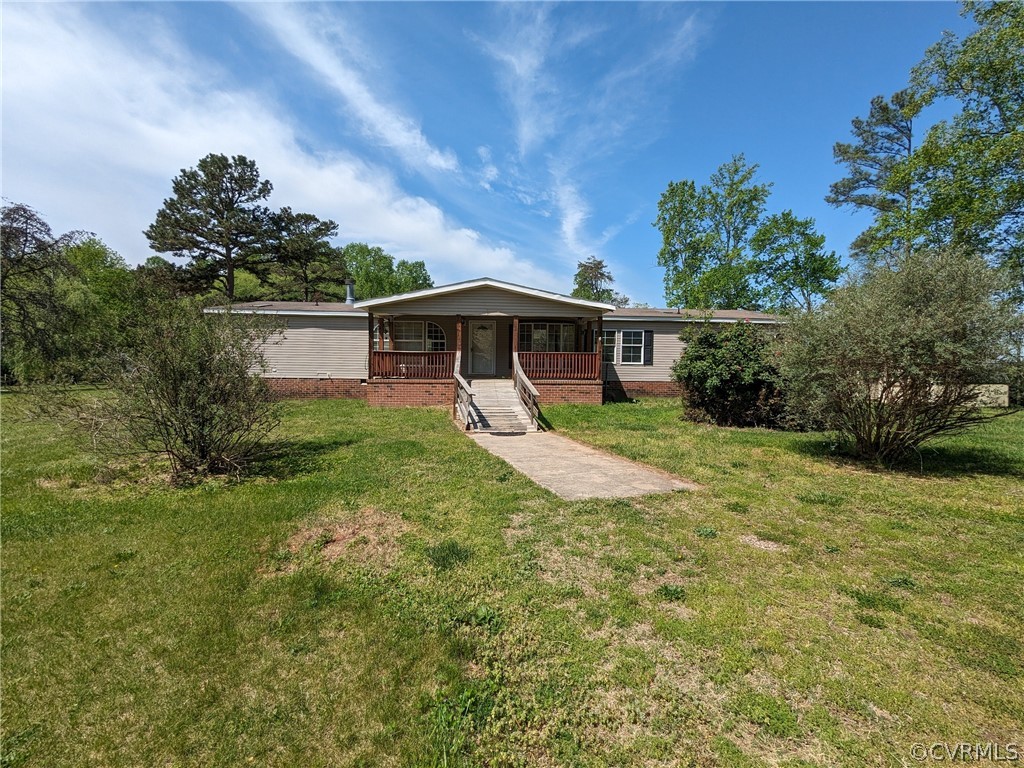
<point x="522" y="52"/>
<point x="488" y="171"/>
<point x="323" y="45"/>
<point x="95" y="126"/>
<point x="573" y="214"/>
<point x="538" y="69"/>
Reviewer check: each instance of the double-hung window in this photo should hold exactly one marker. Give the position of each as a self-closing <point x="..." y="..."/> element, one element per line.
<point x="607" y="346"/>
<point x="408" y="335"/>
<point x="547" y="337"/>
<point x="632" y="347"/>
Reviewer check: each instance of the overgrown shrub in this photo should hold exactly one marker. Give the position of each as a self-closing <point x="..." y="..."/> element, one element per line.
<point x="188" y="388"/>
<point x="892" y="359"/>
<point x="729" y="376"/>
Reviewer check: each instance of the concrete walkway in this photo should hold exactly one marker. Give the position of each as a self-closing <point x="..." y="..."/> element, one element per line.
<point x="574" y="471"/>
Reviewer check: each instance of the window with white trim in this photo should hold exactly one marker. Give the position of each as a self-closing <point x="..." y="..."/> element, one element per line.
<point x="547" y="337"/>
<point x="607" y="346"/>
<point x="436" y="340"/>
<point x="632" y="347"/>
<point x="419" y="336"/>
<point x="408" y="335"/>
<point x="380" y="329"/>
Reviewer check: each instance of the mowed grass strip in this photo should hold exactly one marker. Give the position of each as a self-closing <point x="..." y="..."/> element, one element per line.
<point x="382" y="591"/>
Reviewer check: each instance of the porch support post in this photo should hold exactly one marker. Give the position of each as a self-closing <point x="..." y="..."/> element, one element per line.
<point x="515" y="335"/>
<point x="458" y="338"/>
<point x="600" y="343"/>
<point x="391" y="333"/>
<point x="369" y="354"/>
<point x="588" y="337"/>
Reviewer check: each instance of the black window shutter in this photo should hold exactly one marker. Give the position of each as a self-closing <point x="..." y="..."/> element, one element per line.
<point x="648" y="347"/>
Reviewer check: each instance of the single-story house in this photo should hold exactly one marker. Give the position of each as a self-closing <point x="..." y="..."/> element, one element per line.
<point x="425" y="347"/>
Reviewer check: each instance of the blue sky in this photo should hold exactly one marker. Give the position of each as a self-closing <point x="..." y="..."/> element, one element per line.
<point x="509" y="140"/>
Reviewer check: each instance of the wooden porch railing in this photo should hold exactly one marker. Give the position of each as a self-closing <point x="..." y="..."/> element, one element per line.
<point x="412" y="365"/>
<point x="581" y="366"/>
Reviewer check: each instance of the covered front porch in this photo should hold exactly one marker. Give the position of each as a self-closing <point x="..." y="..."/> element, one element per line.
<point x="484" y="329"/>
<point x="437" y="347"/>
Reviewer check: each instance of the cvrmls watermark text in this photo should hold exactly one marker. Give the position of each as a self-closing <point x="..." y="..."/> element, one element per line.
<point x="964" y="752"/>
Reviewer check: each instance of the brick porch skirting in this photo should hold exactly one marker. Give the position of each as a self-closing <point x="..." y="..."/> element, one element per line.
<point x="398" y="393"/>
<point x="625" y="390"/>
<point x="582" y="392"/>
<point x="318" y="388"/>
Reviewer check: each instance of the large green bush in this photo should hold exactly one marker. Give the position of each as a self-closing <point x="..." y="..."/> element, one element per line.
<point x="893" y="359"/>
<point x="729" y="376"/>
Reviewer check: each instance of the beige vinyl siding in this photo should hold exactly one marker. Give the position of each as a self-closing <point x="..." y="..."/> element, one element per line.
<point x="667" y="349"/>
<point x="318" y="347"/>
<point x="485" y="301"/>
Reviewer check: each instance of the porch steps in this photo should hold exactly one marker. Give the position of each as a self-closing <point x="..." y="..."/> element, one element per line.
<point x="497" y="409"/>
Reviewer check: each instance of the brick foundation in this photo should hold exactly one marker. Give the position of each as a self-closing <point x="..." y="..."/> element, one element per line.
<point x="430" y="392"/>
<point x="318" y="388"/>
<point x="582" y="392"/>
<point x="399" y="393"/>
<point x="626" y="390"/>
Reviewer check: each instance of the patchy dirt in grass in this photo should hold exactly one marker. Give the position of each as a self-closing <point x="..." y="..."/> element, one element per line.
<point x="758" y="543"/>
<point x="678" y="610"/>
<point x="62" y="483"/>
<point x="561" y="568"/>
<point x="649" y="582"/>
<point x="518" y="527"/>
<point x="621" y="716"/>
<point x="369" y="537"/>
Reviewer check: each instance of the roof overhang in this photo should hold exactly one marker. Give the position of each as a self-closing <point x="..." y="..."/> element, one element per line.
<point x="690" y="319"/>
<point x="286" y="311"/>
<point x="443" y="290"/>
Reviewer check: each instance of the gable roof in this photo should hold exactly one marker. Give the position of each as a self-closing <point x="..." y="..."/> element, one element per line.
<point x="488" y="282"/>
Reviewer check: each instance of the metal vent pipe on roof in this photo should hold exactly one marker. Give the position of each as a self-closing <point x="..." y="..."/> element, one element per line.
<point x="350" y="291"/>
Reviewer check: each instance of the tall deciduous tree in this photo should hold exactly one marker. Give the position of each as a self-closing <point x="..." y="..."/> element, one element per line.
<point x="593" y="281"/>
<point x="877" y="180"/>
<point x="215" y="218"/>
<point x="306" y="265"/>
<point x="96" y="303"/>
<point x="794" y="269"/>
<point x="973" y="165"/>
<point x="706" y="235"/>
<point x="377" y="274"/>
<point x="33" y="265"/>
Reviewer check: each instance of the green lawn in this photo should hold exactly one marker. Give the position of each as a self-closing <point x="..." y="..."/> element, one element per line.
<point x="384" y="592"/>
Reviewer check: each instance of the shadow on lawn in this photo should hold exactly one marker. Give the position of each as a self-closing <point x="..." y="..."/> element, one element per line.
<point x="938" y="460"/>
<point x="289" y="458"/>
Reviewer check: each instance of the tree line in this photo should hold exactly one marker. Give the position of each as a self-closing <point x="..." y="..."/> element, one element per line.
<point x="68" y="302"/>
<point x="892" y="357"/>
<point x="218" y="222"/>
<point x="959" y="185"/>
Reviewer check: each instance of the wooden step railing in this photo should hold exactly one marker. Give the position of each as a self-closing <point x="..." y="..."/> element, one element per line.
<point x="412" y="365"/>
<point x="528" y="394"/>
<point x="572" y="366"/>
<point x="464" y="395"/>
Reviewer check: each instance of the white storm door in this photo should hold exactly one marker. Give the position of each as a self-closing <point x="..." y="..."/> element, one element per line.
<point x="481" y="348"/>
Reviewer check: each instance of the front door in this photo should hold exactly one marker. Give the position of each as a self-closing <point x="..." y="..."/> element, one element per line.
<point x="481" y="348"/>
